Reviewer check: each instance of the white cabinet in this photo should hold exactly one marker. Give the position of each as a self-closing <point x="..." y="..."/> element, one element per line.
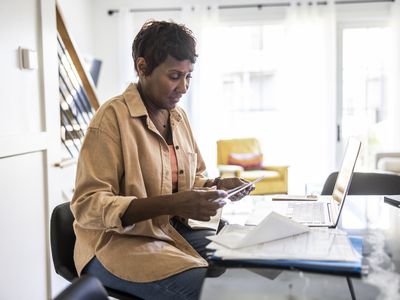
<point x="23" y="221"/>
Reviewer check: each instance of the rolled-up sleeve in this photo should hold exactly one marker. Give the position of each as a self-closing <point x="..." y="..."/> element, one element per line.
<point x="97" y="203"/>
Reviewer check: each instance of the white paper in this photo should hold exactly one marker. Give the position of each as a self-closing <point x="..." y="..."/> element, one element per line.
<point x="317" y="244"/>
<point x="273" y="227"/>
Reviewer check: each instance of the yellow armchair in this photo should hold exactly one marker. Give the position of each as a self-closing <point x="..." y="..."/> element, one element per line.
<point x="228" y="160"/>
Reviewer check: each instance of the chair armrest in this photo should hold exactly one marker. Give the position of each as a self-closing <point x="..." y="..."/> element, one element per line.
<point x="282" y="170"/>
<point x="230" y="170"/>
<point x="275" y="168"/>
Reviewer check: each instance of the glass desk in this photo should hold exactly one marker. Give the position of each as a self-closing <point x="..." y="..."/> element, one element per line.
<point x="367" y="216"/>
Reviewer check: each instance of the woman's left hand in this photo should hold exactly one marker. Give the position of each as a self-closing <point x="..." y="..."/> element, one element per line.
<point x="234" y="182"/>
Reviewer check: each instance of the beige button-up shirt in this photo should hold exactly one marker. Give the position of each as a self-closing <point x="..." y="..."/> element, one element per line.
<point x="123" y="157"/>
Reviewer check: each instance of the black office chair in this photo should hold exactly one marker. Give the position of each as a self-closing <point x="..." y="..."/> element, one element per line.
<point x="62" y="240"/>
<point x="84" y="288"/>
<point x="367" y="184"/>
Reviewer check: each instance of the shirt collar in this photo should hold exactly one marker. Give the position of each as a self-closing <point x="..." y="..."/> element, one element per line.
<point x="137" y="108"/>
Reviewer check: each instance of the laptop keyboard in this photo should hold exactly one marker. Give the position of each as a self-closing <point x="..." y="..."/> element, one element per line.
<point x="312" y="213"/>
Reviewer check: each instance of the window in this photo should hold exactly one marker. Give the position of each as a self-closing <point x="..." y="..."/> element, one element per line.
<point x="249" y="66"/>
<point x="249" y="91"/>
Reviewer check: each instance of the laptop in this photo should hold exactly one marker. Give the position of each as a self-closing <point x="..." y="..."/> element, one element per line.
<point x="325" y="210"/>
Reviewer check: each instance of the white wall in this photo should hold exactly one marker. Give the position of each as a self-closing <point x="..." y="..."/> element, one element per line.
<point x="96" y="35"/>
<point x="29" y="146"/>
<point x="20" y="88"/>
<point x="78" y="19"/>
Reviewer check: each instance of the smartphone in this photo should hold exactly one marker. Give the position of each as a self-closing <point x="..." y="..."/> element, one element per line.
<point x="238" y="189"/>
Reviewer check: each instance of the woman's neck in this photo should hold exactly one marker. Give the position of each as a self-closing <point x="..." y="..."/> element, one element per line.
<point x="159" y="116"/>
<point x="152" y="109"/>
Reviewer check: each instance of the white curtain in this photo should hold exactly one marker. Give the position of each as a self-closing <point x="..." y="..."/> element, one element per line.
<point x="299" y="131"/>
<point x="204" y="106"/>
<point x="307" y="86"/>
<point x="198" y="18"/>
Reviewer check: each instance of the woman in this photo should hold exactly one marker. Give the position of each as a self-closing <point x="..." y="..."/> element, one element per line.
<point x="140" y="174"/>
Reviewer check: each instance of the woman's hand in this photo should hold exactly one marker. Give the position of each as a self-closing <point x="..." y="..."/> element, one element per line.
<point x="234" y="182"/>
<point x="198" y="205"/>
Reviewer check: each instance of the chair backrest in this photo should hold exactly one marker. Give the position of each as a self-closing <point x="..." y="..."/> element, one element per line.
<point x="367" y="184"/>
<point x="245" y="145"/>
<point x="84" y="288"/>
<point x="62" y="240"/>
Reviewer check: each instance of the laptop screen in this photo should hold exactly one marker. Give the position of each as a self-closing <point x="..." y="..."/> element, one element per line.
<point x="346" y="171"/>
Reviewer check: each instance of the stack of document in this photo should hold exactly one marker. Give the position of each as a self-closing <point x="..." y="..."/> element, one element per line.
<point x="279" y="241"/>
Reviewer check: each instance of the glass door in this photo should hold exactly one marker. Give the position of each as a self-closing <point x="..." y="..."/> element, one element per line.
<point x="362" y="93"/>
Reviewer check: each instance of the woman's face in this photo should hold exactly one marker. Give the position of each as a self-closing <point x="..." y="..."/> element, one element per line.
<point x="167" y="83"/>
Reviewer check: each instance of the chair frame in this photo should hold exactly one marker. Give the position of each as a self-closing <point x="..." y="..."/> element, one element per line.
<point x="86" y="287"/>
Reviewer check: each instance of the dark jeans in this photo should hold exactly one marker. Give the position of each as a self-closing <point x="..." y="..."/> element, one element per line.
<point x="185" y="285"/>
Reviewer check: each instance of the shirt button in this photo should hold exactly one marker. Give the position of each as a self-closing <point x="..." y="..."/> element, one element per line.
<point x="177" y="147"/>
<point x="181" y="172"/>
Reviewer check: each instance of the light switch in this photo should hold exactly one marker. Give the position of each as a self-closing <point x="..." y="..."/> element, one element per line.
<point x="28" y="58"/>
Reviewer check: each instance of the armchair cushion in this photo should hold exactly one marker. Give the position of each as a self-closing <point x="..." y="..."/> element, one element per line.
<point x="254" y="174"/>
<point x="249" y="161"/>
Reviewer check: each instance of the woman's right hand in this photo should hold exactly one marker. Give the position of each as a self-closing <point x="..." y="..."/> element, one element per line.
<point x="198" y="205"/>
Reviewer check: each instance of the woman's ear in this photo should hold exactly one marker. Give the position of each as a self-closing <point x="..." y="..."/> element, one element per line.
<point x="141" y="66"/>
